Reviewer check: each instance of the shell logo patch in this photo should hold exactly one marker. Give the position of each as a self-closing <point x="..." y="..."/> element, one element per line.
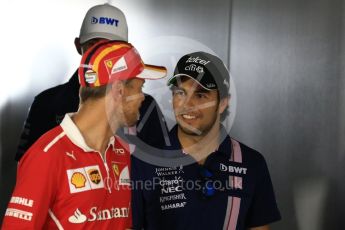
<point x="84" y="179"/>
<point x="78" y="180"/>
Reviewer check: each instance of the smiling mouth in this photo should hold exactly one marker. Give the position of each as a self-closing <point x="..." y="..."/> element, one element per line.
<point x="188" y="117"/>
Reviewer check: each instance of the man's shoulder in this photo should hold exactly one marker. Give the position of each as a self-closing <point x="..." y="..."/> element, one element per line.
<point x="251" y="155"/>
<point x="149" y="97"/>
<point x="54" y="93"/>
<point x="60" y="99"/>
<point x="45" y="143"/>
<point x="71" y="87"/>
<point x="149" y="102"/>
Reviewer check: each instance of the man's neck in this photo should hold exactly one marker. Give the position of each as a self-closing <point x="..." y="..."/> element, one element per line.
<point x="200" y="146"/>
<point x="92" y="121"/>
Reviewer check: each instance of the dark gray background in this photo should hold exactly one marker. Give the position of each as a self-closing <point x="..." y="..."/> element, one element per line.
<point x="287" y="61"/>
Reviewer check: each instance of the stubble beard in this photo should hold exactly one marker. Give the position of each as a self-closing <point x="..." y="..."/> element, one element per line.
<point x="201" y="131"/>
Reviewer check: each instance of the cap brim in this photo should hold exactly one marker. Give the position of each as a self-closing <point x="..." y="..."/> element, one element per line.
<point x="86" y="37"/>
<point x="152" y="72"/>
<point x="171" y="80"/>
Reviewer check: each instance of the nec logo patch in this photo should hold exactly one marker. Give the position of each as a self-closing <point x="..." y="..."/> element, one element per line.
<point x="105" y="21"/>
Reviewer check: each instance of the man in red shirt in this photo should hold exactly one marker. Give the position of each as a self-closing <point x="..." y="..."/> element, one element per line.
<point x="77" y="174"/>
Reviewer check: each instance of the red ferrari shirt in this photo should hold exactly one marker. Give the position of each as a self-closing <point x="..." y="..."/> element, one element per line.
<point x="64" y="184"/>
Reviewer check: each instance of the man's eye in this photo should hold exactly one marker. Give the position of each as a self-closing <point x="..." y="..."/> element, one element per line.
<point x="178" y="92"/>
<point x="201" y="95"/>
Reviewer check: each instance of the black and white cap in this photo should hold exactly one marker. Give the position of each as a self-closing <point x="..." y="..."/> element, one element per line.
<point x="208" y="70"/>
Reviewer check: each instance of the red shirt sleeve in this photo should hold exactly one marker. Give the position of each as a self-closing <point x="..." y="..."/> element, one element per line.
<point x="34" y="192"/>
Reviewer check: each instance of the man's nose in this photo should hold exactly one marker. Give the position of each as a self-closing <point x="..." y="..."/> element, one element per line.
<point x="188" y="103"/>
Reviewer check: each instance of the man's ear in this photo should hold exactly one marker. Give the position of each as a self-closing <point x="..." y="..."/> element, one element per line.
<point x="223" y="104"/>
<point x="117" y="89"/>
<point x="77" y="45"/>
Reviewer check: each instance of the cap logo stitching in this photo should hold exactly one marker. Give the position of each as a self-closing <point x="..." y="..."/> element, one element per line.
<point x="210" y="85"/>
<point x="199" y="69"/>
<point x="105" y="20"/>
<point x="119" y="66"/>
<point x="90" y="76"/>
<point x="197" y="60"/>
<point x="226" y="83"/>
<point x="86" y="66"/>
<point x="193" y="67"/>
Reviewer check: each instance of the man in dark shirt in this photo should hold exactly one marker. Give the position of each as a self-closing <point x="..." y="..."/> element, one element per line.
<point x="205" y="179"/>
<point x="49" y="107"/>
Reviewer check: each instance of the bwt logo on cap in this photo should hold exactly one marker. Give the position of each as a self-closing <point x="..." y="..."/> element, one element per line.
<point x="105" y="20"/>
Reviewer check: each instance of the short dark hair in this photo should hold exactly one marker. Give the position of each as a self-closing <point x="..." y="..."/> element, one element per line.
<point x="96" y="92"/>
<point x="225" y="113"/>
<point x="86" y="93"/>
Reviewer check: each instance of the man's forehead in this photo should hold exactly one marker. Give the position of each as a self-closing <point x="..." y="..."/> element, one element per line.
<point x="190" y="84"/>
<point x="138" y="80"/>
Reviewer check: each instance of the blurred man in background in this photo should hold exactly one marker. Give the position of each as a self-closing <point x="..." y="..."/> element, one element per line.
<point x="50" y="106"/>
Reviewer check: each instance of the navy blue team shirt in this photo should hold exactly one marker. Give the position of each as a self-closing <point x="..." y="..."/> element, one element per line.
<point x="232" y="190"/>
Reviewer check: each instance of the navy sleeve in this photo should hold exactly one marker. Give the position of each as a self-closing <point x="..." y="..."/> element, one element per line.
<point x="47" y="111"/>
<point x="264" y="208"/>
<point x="37" y="123"/>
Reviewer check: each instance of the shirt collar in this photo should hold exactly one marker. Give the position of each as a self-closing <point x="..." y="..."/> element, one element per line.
<point x="74" y="134"/>
<point x="225" y="146"/>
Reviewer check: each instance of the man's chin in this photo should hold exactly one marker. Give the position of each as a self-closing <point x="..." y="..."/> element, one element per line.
<point x="131" y="121"/>
<point x="130" y="124"/>
<point x="190" y="130"/>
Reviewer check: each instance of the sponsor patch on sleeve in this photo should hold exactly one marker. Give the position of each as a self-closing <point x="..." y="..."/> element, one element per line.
<point x="20" y="214"/>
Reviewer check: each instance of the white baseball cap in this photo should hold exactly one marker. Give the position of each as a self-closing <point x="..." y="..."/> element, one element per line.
<point x="104" y="21"/>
